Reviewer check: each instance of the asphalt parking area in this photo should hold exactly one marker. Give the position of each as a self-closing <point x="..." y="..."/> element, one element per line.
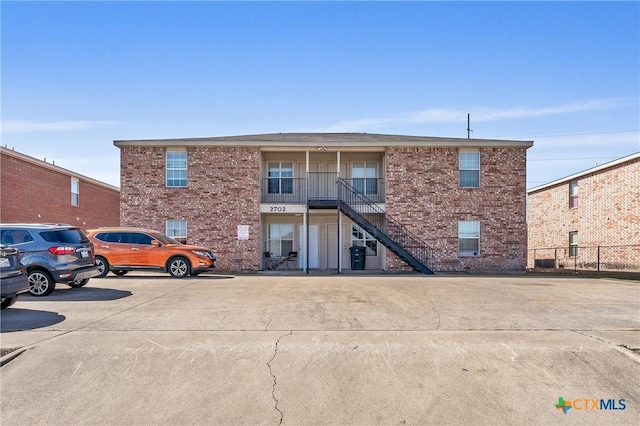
<point x="383" y="349"/>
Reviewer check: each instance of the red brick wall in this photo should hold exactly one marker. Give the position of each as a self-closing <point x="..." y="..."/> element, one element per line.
<point x="223" y="191"/>
<point x="423" y="193"/>
<point x="608" y="212"/>
<point x="34" y="193"/>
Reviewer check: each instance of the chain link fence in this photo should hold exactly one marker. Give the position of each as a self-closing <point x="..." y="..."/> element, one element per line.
<point x="578" y="258"/>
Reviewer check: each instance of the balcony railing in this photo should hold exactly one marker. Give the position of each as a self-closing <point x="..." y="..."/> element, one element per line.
<point x="318" y="186"/>
<point x="284" y="190"/>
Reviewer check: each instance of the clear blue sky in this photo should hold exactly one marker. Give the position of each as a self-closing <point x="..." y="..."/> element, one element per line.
<point x="78" y="75"/>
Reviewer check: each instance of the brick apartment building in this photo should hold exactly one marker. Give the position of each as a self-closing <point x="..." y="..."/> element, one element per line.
<point x="34" y="190"/>
<point x="427" y="203"/>
<point x="589" y="220"/>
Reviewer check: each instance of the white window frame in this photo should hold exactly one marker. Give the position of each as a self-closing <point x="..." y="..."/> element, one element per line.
<point x="176" y="229"/>
<point x="283" y="178"/>
<point x="573" y="194"/>
<point x="75" y="192"/>
<point x="468" y="230"/>
<point x="367" y="240"/>
<point x="362" y="174"/>
<point x="275" y="232"/>
<point x="573" y="244"/>
<point x="173" y="170"/>
<point x="467" y="164"/>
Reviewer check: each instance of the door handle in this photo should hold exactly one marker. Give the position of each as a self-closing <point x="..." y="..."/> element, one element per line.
<point x="134" y="249"/>
<point x="104" y="246"/>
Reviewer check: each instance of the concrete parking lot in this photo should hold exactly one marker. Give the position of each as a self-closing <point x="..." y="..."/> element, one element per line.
<point x="348" y="349"/>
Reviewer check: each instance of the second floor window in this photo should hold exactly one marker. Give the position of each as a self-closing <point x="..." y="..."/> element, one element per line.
<point x="469" y="166"/>
<point x="573" y="194"/>
<point x="75" y="192"/>
<point x="364" y="175"/>
<point x="176" y="169"/>
<point x="280" y="176"/>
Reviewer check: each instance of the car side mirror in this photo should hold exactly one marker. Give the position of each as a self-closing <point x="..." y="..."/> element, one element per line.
<point x="156" y="243"/>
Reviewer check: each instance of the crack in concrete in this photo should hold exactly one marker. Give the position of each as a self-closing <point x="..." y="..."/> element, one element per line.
<point x="434" y="309"/>
<point x="275" y="380"/>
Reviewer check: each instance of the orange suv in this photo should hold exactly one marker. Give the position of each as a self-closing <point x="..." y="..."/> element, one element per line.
<point x="121" y="250"/>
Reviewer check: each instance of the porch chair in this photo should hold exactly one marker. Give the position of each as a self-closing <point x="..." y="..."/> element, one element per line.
<point x="270" y="263"/>
<point x="292" y="257"/>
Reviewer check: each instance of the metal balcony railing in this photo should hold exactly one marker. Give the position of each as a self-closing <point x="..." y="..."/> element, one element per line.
<point x="284" y="191"/>
<point x="318" y="186"/>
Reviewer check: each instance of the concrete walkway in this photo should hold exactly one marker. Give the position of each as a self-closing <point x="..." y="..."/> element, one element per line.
<point x="380" y="349"/>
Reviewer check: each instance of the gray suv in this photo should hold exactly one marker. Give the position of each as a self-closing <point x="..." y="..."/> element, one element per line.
<point x="51" y="253"/>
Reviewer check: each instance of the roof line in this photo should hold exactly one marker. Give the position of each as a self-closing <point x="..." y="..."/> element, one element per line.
<point x="53" y="167"/>
<point x="591" y="170"/>
<point x="329" y="139"/>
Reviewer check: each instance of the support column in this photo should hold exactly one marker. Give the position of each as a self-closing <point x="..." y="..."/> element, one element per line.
<point x="306" y="218"/>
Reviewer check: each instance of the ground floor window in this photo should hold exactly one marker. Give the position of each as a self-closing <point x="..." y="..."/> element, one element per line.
<point x="177" y="229"/>
<point x="361" y="238"/>
<point x="573" y="244"/>
<point x="468" y="238"/>
<point x="280" y="239"/>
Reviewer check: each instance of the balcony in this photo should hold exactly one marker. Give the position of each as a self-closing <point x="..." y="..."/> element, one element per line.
<point x="317" y="187"/>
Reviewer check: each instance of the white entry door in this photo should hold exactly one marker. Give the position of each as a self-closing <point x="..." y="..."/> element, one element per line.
<point x="313" y="247"/>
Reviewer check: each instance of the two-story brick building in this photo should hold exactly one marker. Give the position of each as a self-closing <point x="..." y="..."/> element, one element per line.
<point x="33" y="190"/>
<point x="589" y="220"/>
<point x="427" y="203"/>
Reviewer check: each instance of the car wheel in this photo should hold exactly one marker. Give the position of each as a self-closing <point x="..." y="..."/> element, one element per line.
<point x="119" y="272"/>
<point x="79" y="283"/>
<point x="179" y="267"/>
<point x="8" y="301"/>
<point x="103" y="267"/>
<point x="41" y="283"/>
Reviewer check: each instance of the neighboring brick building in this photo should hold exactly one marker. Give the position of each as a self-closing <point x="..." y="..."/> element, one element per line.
<point x="436" y="204"/>
<point x="589" y="220"/>
<point x="33" y="190"/>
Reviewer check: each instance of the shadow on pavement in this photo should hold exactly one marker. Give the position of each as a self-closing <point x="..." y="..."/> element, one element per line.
<point x="83" y="294"/>
<point x="16" y="319"/>
<point x="147" y="276"/>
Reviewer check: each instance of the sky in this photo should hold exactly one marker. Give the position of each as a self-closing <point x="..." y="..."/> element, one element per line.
<point x="78" y="75"/>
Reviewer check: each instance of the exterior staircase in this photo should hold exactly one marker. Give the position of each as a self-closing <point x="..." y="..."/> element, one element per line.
<point x="389" y="232"/>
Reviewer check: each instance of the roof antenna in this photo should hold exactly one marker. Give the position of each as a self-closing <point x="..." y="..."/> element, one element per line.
<point x="469" y="126"/>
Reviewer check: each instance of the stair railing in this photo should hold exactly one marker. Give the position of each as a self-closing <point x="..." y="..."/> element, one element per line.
<point x="383" y="222"/>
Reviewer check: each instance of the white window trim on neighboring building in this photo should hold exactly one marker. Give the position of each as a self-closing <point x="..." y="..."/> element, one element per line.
<point x="468" y="238"/>
<point x="176" y="168"/>
<point x="176" y="229"/>
<point x="75" y="192"/>
<point x="469" y="168"/>
<point x="573" y="194"/>
<point x="573" y="244"/>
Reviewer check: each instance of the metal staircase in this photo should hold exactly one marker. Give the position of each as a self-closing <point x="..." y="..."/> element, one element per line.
<point x="393" y="235"/>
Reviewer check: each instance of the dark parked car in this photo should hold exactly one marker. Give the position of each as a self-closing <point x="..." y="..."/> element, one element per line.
<point x="52" y="253"/>
<point x="13" y="277"/>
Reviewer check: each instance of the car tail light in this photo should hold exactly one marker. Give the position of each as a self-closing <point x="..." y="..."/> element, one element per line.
<point x="61" y="250"/>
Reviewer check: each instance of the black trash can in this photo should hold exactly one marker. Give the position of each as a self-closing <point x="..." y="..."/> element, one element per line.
<point x="358" y="258"/>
